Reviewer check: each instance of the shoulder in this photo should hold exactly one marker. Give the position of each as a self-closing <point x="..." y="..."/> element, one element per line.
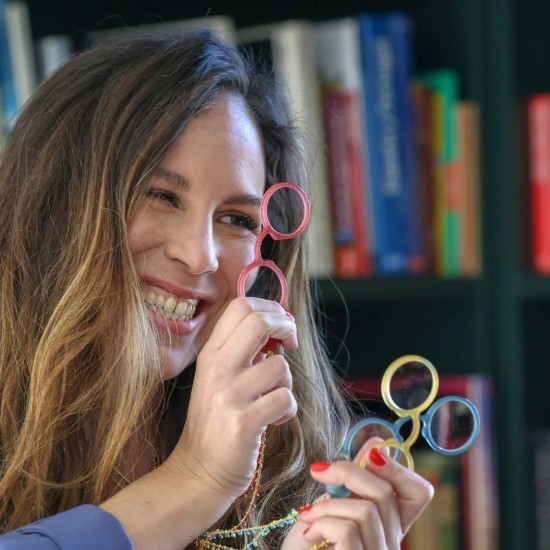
<point x="85" y="527"/>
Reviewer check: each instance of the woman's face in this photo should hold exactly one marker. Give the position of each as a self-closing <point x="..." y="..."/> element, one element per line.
<point x="195" y="230"/>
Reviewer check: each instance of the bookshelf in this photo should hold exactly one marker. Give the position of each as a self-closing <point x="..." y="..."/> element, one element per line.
<point x="495" y="324"/>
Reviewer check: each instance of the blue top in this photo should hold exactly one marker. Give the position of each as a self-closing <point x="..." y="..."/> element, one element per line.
<point x="85" y="527"/>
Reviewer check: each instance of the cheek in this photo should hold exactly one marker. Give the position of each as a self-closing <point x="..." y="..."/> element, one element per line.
<point x="141" y="233"/>
<point x="236" y="259"/>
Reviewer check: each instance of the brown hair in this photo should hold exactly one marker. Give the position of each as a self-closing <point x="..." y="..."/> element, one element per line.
<point x="77" y="368"/>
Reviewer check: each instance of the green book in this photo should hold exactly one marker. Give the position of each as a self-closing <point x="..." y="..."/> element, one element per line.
<point x="445" y="84"/>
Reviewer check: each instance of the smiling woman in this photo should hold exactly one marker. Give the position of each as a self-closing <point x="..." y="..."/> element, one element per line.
<point x="137" y="408"/>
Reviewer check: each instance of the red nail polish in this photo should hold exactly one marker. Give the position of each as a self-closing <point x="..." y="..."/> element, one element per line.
<point x="305" y="509"/>
<point x="376" y="457"/>
<point x="306" y="530"/>
<point x="319" y="466"/>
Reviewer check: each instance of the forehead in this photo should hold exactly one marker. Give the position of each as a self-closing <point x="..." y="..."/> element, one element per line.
<point x="222" y="143"/>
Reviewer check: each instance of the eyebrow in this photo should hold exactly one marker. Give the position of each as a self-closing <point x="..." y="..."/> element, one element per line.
<point x="172" y="177"/>
<point x="183" y="183"/>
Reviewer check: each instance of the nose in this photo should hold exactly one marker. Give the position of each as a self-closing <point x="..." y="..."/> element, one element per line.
<point x="195" y="246"/>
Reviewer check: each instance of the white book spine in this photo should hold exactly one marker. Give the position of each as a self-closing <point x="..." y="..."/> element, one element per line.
<point x="21" y="49"/>
<point x="294" y="59"/>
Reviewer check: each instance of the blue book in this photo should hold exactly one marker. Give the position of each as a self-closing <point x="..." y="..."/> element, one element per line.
<point x="401" y="32"/>
<point x="10" y="102"/>
<point x="386" y="59"/>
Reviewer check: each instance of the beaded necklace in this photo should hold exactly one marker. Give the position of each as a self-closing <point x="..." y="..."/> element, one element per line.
<point x="214" y="540"/>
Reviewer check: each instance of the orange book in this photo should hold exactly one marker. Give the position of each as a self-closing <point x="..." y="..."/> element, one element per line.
<point x="469" y="183"/>
<point x="538" y="131"/>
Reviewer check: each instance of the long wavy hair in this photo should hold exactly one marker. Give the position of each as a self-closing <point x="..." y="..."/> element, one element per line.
<point x="79" y="371"/>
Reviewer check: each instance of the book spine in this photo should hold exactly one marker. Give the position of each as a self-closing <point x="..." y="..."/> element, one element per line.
<point x="9" y="92"/>
<point x="21" y="49"/>
<point x="349" y="222"/>
<point x="338" y="58"/>
<point x="53" y="50"/>
<point x="445" y="84"/>
<point x="382" y="150"/>
<point x="538" y="125"/>
<point x="401" y="32"/>
<point x="540" y="440"/>
<point x="469" y="181"/>
<point x="424" y="121"/>
<point x="293" y="48"/>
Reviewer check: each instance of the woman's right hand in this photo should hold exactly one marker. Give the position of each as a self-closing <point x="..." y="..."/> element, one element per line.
<point x="237" y="392"/>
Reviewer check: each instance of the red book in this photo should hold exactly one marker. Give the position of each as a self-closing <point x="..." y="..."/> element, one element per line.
<point x="538" y="131"/>
<point x="342" y="115"/>
<point x="337" y="44"/>
<point x="424" y="114"/>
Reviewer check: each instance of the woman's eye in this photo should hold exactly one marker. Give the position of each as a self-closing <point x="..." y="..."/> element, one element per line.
<point x="241" y="220"/>
<point x="164" y="196"/>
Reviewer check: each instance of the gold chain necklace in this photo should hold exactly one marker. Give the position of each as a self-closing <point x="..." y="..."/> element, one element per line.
<point x="122" y="481"/>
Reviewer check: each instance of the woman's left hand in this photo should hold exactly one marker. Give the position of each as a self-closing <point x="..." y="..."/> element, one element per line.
<point x="386" y="499"/>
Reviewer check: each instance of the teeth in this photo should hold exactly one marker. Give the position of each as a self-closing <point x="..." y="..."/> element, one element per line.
<point x="170" y="308"/>
<point x="170" y="304"/>
<point x="182" y="307"/>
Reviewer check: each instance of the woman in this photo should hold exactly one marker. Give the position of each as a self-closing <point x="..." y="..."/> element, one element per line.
<point x="134" y="381"/>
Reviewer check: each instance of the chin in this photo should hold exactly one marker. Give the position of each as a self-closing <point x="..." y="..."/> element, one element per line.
<point x="173" y="363"/>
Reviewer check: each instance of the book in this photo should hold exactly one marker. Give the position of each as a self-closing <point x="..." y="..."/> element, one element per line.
<point x="52" y="51"/>
<point x="10" y="100"/>
<point x="386" y="42"/>
<point x="424" y="125"/>
<point x="289" y="48"/>
<point x="445" y="86"/>
<point x="222" y="25"/>
<point x="468" y="169"/>
<point x="538" y="137"/>
<point x="21" y="47"/>
<point x="338" y="53"/>
<point x="400" y="26"/>
<point x="438" y="527"/>
<point x="540" y="442"/>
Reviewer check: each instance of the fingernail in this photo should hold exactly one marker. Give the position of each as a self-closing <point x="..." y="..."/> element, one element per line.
<point x="290" y="314"/>
<point x="306" y="530"/>
<point x="376" y="457"/>
<point x="305" y="509"/>
<point x="319" y="466"/>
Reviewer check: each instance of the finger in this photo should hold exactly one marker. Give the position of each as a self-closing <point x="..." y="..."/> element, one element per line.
<point x="364" y="514"/>
<point x="238" y="310"/>
<point x="371" y="489"/>
<point x="413" y="492"/>
<point x="271" y="373"/>
<point x="249" y="338"/>
<point x="277" y="407"/>
<point x="343" y="533"/>
<point x="250" y="333"/>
